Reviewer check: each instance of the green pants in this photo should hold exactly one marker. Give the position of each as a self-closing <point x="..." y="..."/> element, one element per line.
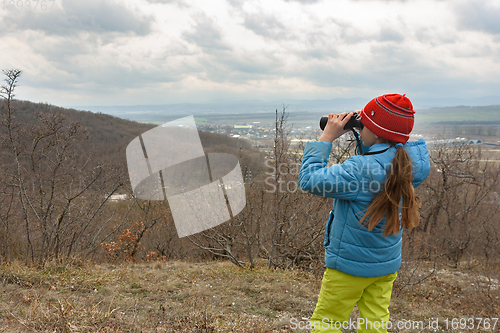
<point x="338" y="295"/>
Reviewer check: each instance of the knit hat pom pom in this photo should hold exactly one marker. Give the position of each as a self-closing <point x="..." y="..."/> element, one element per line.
<point x="398" y="101"/>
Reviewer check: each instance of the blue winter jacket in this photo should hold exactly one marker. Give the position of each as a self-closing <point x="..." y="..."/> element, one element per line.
<point x="349" y="246"/>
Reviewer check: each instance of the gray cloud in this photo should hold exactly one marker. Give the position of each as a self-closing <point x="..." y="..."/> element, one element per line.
<point x="268" y="26"/>
<point x="163" y="1"/>
<point x="434" y="38"/>
<point x="80" y="66"/>
<point x="237" y="4"/>
<point x="251" y="67"/>
<point x="327" y="74"/>
<point x="304" y="1"/>
<point x="347" y="32"/>
<point x="207" y="35"/>
<point x="388" y="67"/>
<point x="318" y="44"/>
<point x="97" y="16"/>
<point x="386" y="0"/>
<point x="317" y="53"/>
<point x="96" y="48"/>
<point x="180" y="3"/>
<point x="101" y="78"/>
<point x="479" y="15"/>
<point x="388" y="34"/>
<point x="237" y="68"/>
<point x="397" y="58"/>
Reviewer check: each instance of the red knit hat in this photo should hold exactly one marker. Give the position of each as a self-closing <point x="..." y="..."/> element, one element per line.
<point x="389" y="117"/>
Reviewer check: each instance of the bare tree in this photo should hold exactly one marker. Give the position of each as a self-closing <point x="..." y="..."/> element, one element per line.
<point x="12" y="139"/>
<point x="459" y="218"/>
<point x="297" y="219"/>
<point x="250" y="222"/>
<point x="280" y="149"/>
<point x="59" y="186"/>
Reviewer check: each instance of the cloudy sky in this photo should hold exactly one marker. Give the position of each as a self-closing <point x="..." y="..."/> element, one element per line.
<point x="129" y="52"/>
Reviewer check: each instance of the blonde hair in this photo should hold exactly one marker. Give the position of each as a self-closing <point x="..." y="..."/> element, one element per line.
<point x="398" y="187"/>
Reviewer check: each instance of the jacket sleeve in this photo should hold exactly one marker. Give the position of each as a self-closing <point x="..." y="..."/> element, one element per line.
<point x="338" y="181"/>
<point x="421" y="162"/>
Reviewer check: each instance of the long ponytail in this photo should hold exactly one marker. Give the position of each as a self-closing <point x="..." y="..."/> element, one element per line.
<point x="397" y="187"/>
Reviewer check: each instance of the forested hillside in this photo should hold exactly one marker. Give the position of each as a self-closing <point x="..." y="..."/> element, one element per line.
<point x="109" y="136"/>
<point x="60" y="169"/>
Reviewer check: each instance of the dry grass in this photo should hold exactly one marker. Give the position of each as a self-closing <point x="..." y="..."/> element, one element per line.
<point x="206" y="297"/>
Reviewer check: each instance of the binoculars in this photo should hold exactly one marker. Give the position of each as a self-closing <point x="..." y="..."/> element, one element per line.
<point x="352" y="123"/>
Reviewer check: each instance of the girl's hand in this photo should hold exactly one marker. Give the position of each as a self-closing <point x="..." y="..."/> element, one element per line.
<point x="335" y="126"/>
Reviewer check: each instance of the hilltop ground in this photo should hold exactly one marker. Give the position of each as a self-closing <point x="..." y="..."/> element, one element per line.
<point x="220" y="297"/>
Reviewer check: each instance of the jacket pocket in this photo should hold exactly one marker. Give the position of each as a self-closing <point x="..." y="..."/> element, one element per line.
<point x="327" y="229"/>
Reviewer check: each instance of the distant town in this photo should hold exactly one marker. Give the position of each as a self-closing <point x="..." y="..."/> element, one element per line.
<point x="261" y="136"/>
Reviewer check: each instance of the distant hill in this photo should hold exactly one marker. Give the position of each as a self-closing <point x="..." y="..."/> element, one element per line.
<point x="461" y="115"/>
<point x="305" y="112"/>
<point x="110" y="135"/>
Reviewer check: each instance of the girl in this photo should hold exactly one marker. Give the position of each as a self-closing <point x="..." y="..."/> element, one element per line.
<point x="374" y="200"/>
